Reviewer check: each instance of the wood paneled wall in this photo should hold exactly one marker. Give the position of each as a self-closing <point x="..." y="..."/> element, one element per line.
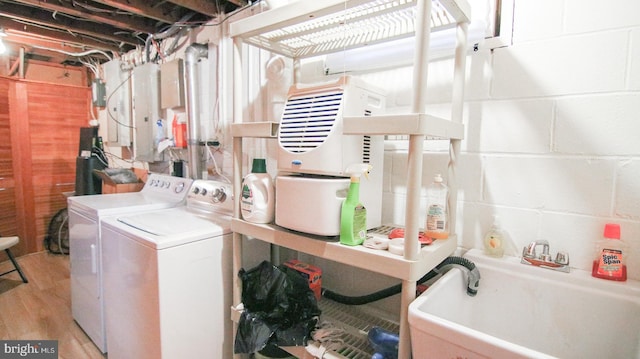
<point x="44" y="127"/>
<point x="8" y="225"/>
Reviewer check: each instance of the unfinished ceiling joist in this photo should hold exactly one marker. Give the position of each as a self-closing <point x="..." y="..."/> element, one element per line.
<point x="108" y="25"/>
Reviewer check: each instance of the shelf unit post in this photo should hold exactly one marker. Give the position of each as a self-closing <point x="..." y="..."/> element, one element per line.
<point x="414" y="169"/>
<point x="237" y="175"/>
<point x="457" y="107"/>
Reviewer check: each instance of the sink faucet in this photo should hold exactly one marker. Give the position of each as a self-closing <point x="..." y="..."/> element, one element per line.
<point x="530" y="257"/>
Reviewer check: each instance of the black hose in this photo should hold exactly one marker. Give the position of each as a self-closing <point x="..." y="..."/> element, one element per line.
<point x="472" y="288"/>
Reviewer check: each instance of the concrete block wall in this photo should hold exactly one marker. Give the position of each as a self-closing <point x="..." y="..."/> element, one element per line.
<point x="552" y="128"/>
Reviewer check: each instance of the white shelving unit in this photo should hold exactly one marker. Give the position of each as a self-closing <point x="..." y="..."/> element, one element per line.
<point x="311" y="28"/>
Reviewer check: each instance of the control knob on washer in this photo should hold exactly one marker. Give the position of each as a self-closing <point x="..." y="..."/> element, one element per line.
<point x="219" y="195"/>
<point x="179" y="187"/>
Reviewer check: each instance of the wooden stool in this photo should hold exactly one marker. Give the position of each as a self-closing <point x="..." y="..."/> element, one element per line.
<point x="6" y="243"/>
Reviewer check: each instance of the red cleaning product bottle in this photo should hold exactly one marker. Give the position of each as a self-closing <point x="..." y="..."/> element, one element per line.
<point x="610" y="259"/>
<point x="179" y="133"/>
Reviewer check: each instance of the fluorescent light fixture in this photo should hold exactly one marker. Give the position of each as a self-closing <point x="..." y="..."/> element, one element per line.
<point x="400" y="52"/>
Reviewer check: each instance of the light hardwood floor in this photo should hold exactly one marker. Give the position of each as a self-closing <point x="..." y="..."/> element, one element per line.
<point x="41" y="309"/>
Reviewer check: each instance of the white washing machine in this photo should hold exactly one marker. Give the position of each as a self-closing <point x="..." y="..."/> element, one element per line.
<point x="168" y="278"/>
<point x="85" y="239"/>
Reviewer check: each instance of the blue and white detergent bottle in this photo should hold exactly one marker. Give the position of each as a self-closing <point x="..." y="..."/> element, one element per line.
<point x="384" y="343"/>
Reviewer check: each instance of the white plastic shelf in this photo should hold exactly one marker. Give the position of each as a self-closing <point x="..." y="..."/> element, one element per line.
<point x="404" y="124"/>
<point x="264" y="129"/>
<point x="311" y="28"/>
<point x="401" y="124"/>
<point x="379" y="261"/>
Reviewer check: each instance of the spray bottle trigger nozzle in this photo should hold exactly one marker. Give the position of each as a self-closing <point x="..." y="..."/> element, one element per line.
<point x="366" y="173"/>
<point x="358" y="169"/>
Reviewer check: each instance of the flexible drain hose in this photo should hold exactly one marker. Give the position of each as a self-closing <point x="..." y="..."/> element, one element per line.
<point x="443" y="267"/>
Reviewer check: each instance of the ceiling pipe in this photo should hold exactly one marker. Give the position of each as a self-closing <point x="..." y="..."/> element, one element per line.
<point x="196" y="163"/>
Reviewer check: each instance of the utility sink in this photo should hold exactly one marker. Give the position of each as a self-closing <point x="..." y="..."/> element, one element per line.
<point x="522" y="311"/>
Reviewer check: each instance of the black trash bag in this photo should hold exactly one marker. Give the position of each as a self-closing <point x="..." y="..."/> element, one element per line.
<point x="279" y="309"/>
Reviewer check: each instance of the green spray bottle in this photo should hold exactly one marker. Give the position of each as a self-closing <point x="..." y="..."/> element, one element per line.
<point x="353" y="217"/>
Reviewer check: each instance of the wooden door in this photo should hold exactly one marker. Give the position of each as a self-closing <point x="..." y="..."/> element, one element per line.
<point x="8" y="223"/>
<point x="46" y="121"/>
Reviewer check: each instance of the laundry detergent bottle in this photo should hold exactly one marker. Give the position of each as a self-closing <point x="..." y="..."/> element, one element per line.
<point x="257" y="202"/>
<point x="610" y="258"/>
<point x="437" y="226"/>
<point x="353" y="216"/>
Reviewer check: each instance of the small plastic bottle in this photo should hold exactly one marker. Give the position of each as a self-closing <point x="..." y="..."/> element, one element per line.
<point x="159" y="131"/>
<point x="494" y="240"/>
<point x="257" y="202"/>
<point x="437" y="225"/>
<point x="610" y="258"/>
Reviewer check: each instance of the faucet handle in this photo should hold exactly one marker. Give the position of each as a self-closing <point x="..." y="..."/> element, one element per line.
<point x="562" y="258"/>
<point x="529" y="251"/>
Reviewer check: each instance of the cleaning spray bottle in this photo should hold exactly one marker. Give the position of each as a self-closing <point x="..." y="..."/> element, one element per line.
<point x="353" y="217"/>
<point x="610" y="257"/>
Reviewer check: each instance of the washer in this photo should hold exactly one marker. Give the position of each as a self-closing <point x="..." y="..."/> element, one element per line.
<point x="168" y="278"/>
<point x="85" y="240"/>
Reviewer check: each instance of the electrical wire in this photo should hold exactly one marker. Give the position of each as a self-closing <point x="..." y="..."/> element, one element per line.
<point x="175" y="45"/>
<point x="99" y="153"/>
<point x="96" y="39"/>
<point x="97" y="9"/>
<point x="125" y="160"/>
<point x="172" y="30"/>
<point x="76" y="54"/>
<point x="231" y="14"/>
<point x="109" y="113"/>
<point x="72" y="17"/>
<point x="215" y="164"/>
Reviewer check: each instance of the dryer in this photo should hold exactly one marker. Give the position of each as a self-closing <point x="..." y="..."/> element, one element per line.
<point x="85" y="240"/>
<point x="168" y="278"/>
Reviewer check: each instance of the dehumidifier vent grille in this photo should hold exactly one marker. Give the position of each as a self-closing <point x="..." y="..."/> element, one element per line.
<point x="307" y="120"/>
<point x="366" y="149"/>
<point x="366" y="144"/>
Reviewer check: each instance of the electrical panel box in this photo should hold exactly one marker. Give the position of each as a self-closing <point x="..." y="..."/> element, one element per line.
<point x="98" y="93"/>
<point x="149" y="126"/>
<point x="172" y="84"/>
<point x="118" y="104"/>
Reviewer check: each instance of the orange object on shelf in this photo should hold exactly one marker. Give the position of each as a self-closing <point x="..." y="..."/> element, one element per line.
<point x="179" y="131"/>
<point x="311" y="273"/>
